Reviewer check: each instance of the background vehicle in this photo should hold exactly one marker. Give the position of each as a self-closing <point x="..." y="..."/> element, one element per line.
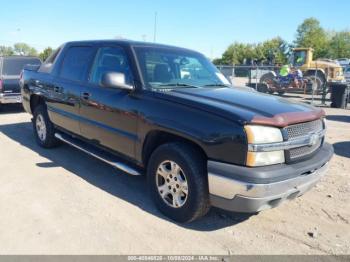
<point x="347" y="74"/>
<point x="344" y="62"/>
<point x="200" y="141"/>
<point x="316" y="71"/>
<point x="10" y="69"/>
<point x="275" y="82"/>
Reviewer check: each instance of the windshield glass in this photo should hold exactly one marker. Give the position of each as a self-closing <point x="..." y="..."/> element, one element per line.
<point x="177" y="68"/>
<point x="14" y="66"/>
<point x="299" y="58"/>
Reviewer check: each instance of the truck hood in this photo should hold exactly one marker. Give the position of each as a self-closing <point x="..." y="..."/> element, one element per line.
<point x="244" y="106"/>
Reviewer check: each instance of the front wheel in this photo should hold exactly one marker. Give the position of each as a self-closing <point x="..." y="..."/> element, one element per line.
<point x="44" y="130"/>
<point x="178" y="182"/>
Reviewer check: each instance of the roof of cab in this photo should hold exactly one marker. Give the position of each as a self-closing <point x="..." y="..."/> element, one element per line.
<point x="17" y="56"/>
<point x="125" y="42"/>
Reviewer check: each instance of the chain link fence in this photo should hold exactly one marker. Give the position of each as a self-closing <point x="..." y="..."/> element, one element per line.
<point x="267" y="79"/>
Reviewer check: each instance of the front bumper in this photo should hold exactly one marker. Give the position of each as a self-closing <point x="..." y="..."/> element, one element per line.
<point x="250" y="190"/>
<point x="10" y="98"/>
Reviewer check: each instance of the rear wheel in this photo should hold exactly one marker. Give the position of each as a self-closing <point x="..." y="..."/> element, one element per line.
<point x="178" y="182"/>
<point x="315" y="79"/>
<point x="268" y="81"/>
<point x="44" y="130"/>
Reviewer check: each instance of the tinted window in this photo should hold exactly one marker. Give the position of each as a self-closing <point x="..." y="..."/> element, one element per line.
<point x="76" y="63"/>
<point x="14" y="66"/>
<point x="52" y="56"/>
<point x="110" y="59"/>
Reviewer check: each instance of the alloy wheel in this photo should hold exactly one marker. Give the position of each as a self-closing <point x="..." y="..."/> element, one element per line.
<point x="172" y="184"/>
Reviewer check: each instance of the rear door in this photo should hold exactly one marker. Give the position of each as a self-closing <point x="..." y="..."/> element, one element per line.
<point x="64" y="102"/>
<point x="108" y="115"/>
<point x="11" y="70"/>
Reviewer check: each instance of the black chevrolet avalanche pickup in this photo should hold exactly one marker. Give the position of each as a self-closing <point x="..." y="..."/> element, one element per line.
<point x="167" y="112"/>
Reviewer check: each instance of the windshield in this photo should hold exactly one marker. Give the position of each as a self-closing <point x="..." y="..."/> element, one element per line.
<point x="177" y="68"/>
<point x="299" y="58"/>
<point x="14" y="66"/>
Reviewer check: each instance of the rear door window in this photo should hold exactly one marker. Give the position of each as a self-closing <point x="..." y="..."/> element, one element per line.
<point x="76" y="63"/>
<point x="14" y="66"/>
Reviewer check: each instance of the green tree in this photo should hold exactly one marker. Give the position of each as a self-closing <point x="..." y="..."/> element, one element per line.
<point x="237" y="53"/>
<point x="275" y="49"/>
<point x="6" y="50"/>
<point x="45" y="53"/>
<point x="24" y="49"/>
<point x="311" y="34"/>
<point x="339" y="45"/>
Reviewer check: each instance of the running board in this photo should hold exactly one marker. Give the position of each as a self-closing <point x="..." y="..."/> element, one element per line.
<point x="97" y="153"/>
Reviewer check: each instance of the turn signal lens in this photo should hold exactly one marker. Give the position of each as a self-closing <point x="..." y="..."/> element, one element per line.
<point x="255" y="159"/>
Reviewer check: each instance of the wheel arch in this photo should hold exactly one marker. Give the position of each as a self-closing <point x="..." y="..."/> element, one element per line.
<point x="36" y="100"/>
<point x="320" y="72"/>
<point x="156" y="138"/>
<point x="270" y="74"/>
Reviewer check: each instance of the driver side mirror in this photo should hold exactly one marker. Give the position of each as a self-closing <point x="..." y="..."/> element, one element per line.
<point x="115" y="80"/>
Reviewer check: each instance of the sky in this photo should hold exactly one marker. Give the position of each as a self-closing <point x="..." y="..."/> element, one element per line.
<point x="208" y="26"/>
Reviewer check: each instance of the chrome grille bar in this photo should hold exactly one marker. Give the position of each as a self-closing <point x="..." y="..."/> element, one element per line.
<point x="306" y="140"/>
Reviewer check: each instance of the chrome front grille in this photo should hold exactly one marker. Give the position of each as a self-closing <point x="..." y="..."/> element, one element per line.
<point x="300" y="152"/>
<point x="302" y="130"/>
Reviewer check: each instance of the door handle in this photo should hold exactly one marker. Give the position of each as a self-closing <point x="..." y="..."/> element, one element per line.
<point x="85" y="95"/>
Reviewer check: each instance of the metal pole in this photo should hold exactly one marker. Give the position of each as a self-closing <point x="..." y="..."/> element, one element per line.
<point x="324" y="89"/>
<point x="155" y="28"/>
<point x="233" y="74"/>
<point x="256" y="78"/>
<point x="315" y="83"/>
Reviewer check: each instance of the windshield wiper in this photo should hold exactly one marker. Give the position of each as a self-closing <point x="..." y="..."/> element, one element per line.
<point x="223" y="85"/>
<point x="180" y="85"/>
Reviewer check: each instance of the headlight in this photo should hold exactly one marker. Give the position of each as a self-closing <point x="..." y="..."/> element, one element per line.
<point x="264" y="135"/>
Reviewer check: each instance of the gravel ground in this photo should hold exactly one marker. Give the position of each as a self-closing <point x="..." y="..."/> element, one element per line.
<point x="62" y="201"/>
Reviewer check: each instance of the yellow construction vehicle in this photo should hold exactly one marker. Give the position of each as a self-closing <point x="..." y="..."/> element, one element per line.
<point x="319" y="71"/>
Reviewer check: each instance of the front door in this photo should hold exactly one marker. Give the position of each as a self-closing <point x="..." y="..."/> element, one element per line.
<point x="107" y="114"/>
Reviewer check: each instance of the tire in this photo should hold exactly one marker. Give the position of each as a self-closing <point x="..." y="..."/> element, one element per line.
<point x="262" y="88"/>
<point x="267" y="80"/>
<point x="319" y="79"/>
<point x="281" y="92"/>
<point x="191" y="174"/>
<point x="44" y="130"/>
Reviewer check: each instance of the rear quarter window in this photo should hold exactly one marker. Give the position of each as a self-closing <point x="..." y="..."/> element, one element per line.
<point x="14" y="66"/>
<point x="76" y="63"/>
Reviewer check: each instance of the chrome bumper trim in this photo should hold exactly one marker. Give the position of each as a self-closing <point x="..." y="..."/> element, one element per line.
<point x="229" y="188"/>
<point x="10" y="98"/>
